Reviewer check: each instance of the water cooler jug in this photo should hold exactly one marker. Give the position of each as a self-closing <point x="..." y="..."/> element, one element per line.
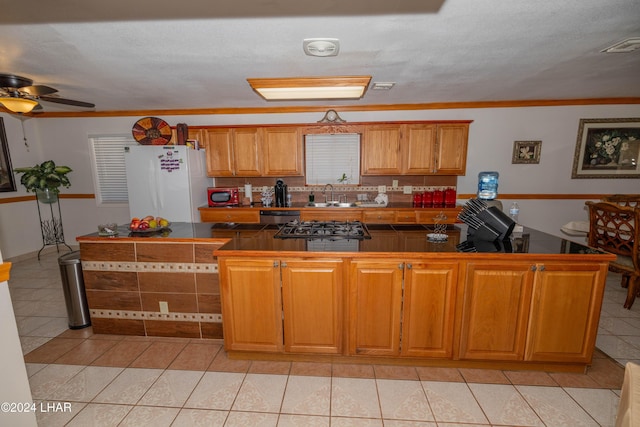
<point x="488" y="185"/>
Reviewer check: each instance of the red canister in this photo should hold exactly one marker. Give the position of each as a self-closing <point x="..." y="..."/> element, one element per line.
<point x="417" y="200"/>
<point x="427" y="199"/>
<point x="438" y="198"/>
<point x="450" y="197"/>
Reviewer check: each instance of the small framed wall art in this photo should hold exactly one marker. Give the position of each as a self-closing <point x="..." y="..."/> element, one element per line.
<point x="526" y="151"/>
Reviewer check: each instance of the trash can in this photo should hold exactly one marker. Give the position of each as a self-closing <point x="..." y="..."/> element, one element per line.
<point x="74" y="293"/>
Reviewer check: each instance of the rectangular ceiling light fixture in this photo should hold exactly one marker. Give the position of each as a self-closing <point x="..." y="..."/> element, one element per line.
<point x="291" y="88"/>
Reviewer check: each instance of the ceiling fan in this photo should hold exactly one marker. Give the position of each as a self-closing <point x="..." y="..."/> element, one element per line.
<point x="20" y="95"/>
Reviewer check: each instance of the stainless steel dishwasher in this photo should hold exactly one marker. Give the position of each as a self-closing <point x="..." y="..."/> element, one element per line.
<point x="278" y="217"/>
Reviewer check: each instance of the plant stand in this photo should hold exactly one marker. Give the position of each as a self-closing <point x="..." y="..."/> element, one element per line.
<point x="51" y="228"/>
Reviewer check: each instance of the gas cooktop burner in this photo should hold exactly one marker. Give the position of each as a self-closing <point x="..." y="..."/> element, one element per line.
<point x="331" y="230"/>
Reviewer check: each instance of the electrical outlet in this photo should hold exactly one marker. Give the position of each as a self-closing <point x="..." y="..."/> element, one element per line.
<point x="394" y="183"/>
<point x="164" y="307"/>
<point x="407" y="189"/>
<point x="382" y="188"/>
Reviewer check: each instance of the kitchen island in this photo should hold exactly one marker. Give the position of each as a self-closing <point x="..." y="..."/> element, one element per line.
<point x="531" y="302"/>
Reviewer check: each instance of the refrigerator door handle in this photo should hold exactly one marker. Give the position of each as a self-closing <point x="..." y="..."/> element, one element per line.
<point x="159" y="203"/>
<point x="152" y="186"/>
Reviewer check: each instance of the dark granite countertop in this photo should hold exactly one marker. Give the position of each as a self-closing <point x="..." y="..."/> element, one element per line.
<point x="400" y="238"/>
<point x="385" y="238"/>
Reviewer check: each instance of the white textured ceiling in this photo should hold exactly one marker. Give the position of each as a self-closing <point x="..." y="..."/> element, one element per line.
<point x="163" y="54"/>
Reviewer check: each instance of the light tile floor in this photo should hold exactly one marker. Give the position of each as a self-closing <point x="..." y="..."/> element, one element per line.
<point x="137" y="381"/>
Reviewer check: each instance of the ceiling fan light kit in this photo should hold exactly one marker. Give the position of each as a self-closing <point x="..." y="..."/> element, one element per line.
<point x="299" y="88"/>
<point x="18" y="105"/>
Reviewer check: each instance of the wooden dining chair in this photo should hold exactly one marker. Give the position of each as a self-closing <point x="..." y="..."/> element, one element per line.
<point x="632" y="200"/>
<point x="616" y="229"/>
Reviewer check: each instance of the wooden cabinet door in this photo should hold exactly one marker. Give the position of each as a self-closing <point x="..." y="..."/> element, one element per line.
<point x="381" y="150"/>
<point x="451" y="153"/>
<point x="282" y="151"/>
<point x="312" y="303"/>
<point x="418" y="149"/>
<point x="247" y="152"/>
<point x="497" y="297"/>
<point x="219" y="152"/>
<point x="375" y="302"/>
<point x="565" y="312"/>
<point x="429" y="309"/>
<point x="251" y="304"/>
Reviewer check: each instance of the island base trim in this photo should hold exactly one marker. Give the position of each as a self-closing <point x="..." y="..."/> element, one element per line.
<point x="435" y="363"/>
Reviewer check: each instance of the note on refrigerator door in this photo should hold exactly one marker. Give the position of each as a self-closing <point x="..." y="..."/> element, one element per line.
<point x="171" y="161"/>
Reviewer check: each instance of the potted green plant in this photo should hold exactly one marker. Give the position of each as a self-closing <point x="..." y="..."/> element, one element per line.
<point x="45" y="180"/>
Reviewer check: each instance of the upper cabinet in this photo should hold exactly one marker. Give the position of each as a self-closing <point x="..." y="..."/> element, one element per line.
<point x="282" y="151"/>
<point x="415" y="149"/>
<point x="451" y="149"/>
<point x="253" y="151"/>
<point x="380" y="150"/>
<point x="233" y="152"/>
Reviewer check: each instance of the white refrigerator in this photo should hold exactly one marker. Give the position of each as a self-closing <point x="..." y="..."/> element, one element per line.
<point x="169" y="181"/>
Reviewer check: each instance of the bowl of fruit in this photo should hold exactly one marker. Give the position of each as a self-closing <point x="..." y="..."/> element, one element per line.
<point x="148" y="224"/>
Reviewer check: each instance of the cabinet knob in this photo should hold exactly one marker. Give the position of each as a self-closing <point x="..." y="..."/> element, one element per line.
<point x="284" y="264"/>
<point x="401" y="266"/>
<point x="409" y="266"/>
<point x="542" y="268"/>
<point x="534" y="268"/>
<point x="275" y="263"/>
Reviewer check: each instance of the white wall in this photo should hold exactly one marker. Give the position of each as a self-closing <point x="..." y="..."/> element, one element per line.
<point x="491" y="137"/>
<point x="15" y="388"/>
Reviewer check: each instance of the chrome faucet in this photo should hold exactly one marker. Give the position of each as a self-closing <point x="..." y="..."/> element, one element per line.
<point x="324" y="191"/>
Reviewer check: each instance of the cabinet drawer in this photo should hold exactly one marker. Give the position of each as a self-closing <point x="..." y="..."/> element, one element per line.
<point x="230" y="215"/>
<point x="378" y="216"/>
<point x="406" y="217"/>
<point x="331" y="214"/>
<point x="429" y="216"/>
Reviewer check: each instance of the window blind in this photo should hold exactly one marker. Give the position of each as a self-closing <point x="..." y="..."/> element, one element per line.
<point x="110" y="176"/>
<point x="330" y="157"/>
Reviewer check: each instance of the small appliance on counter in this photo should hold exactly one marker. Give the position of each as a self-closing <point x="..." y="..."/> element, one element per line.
<point x="280" y="194"/>
<point x="223" y="196"/>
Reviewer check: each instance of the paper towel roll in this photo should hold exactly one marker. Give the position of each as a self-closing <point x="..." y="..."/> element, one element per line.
<point x="248" y="193"/>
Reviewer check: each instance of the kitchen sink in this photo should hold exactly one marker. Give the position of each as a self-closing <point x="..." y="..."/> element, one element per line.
<point x="331" y="205"/>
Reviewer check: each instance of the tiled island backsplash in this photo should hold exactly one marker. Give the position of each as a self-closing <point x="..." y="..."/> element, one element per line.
<point x="125" y="285"/>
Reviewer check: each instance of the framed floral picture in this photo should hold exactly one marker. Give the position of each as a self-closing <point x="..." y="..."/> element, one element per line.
<point x="7" y="181"/>
<point x="526" y="151"/>
<point x="607" y="148"/>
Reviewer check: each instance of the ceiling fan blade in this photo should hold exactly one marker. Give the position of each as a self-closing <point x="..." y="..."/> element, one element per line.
<point x="38" y="90"/>
<point x="9" y="80"/>
<point x="66" y="101"/>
